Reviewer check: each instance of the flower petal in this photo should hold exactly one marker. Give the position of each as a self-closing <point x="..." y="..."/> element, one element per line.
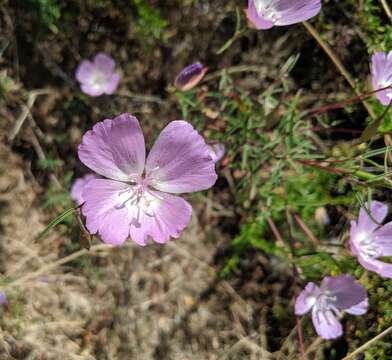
<point x="378" y="210"/>
<point x="112" y="84"/>
<point x="359" y="309"/>
<point x="180" y="160"/>
<point x="103" y="211"/>
<point x="306" y="299"/>
<point x="167" y="217"/>
<point x="345" y="289"/>
<point x="217" y="151"/>
<point x="326" y="324"/>
<point x="381" y="68"/>
<point x="104" y="63"/>
<point x="382" y="268"/>
<point x="78" y="186"/>
<point x="84" y="71"/>
<point x="114" y="148"/>
<point x="92" y="90"/>
<point x="295" y="11"/>
<point x="383" y="239"/>
<point x="259" y="22"/>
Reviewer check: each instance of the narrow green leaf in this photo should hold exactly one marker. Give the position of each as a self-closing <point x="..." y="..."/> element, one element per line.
<point x="59" y="219"/>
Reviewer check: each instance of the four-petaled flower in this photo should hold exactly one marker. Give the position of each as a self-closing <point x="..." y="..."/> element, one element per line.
<point x="382" y="76"/>
<point x="369" y="240"/>
<point x="190" y="76"/>
<point x="134" y="199"/>
<point x="98" y="77"/>
<point x="265" y="14"/>
<point x="328" y="302"/>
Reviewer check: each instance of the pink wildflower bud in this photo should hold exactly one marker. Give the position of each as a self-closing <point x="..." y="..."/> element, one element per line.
<point x="190" y="77"/>
<point x="335" y="296"/>
<point x="98" y="77"/>
<point x="265" y="14"/>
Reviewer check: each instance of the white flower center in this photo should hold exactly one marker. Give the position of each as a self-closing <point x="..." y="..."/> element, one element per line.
<point x="266" y="10"/>
<point x="98" y="79"/>
<point x="326" y="302"/>
<point x="366" y="245"/>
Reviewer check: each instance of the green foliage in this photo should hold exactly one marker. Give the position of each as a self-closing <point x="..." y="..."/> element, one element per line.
<point x="46" y="13"/>
<point x="149" y="22"/>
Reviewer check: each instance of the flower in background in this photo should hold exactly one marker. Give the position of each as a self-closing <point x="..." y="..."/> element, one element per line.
<point x="3" y="298"/>
<point x="98" y="77"/>
<point x="190" y="76"/>
<point x="370" y="240"/>
<point x="217" y="151"/>
<point x="328" y="302"/>
<point x="265" y="14"/>
<point x="78" y="186"/>
<point x="135" y="197"/>
<point x="382" y="76"/>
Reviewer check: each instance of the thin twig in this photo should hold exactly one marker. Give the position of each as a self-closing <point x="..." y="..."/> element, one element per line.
<point x="25" y="112"/>
<point x="368" y="344"/>
<point x="301" y="340"/>
<point x="387" y="9"/>
<point x="339" y="65"/>
<point x="306" y="230"/>
<point x="45" y="269"/>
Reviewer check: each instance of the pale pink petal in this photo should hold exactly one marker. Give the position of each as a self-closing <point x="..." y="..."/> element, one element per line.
<point x="306" y="299"/>
<point x="382" y="268"/>
<point x="104" y="210"/>
<point x="344" y="288"/>
<point x="165" y="218"/>
<point x="180" y="160"/>
<point x="259" y="22"/>
<point x="78" y="186"/>
<point x="378" y="210"/>
<point x="382" y="76"/>
<point x="326" y="324"/>
<point x="217" y="151"/>
<point x="112" y="84"/>
<point x="295" y="11"/>
<point x="383" y="240"/>
<point x="359" y="309"/>
<point x="84" y="71"/>
<point x="353" y="236"/>
<point x="104" y="63"/>
<point x="92" y="90"/>
<point x="115" y="148"/>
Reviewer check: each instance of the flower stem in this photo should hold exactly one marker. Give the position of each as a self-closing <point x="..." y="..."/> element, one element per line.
<point x="339" y="65"/>
<point x="387" y="9"/>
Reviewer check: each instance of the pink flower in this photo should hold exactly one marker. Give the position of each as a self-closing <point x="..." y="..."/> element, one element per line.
<point x="328" y="302"/>
<point x="135" y="196"/>
<point x="382" y="76"/>
<point x="190" y="77"/>
<point x="98" y="77"/>
<point x="78" y="186"/>
<point x="217" y="151"/>
<point x="370" y="241"/>
<point x="265" y="14"/>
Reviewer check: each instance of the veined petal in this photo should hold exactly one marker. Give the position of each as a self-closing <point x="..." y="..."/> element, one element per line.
<point x="326" y="324"/>
<point x="383" y="239"/>
<point x="359" y="309"/>
<point x="104" y="211"/>
<point x="112" y="84"/>
<point x="306" y="299"/>
<point x="84" y="71"/>
<point x="259" y="22"/>
<point x="378" y="210"/>
<point x="382" y="268"/>
<point x="295" y="11"/>
<point x="78" y="186"/>
<point x="114" y="148"/>
<point x="344" y="289"/>
<point x="166" y="216"/>
<point x="180" y="161"/>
